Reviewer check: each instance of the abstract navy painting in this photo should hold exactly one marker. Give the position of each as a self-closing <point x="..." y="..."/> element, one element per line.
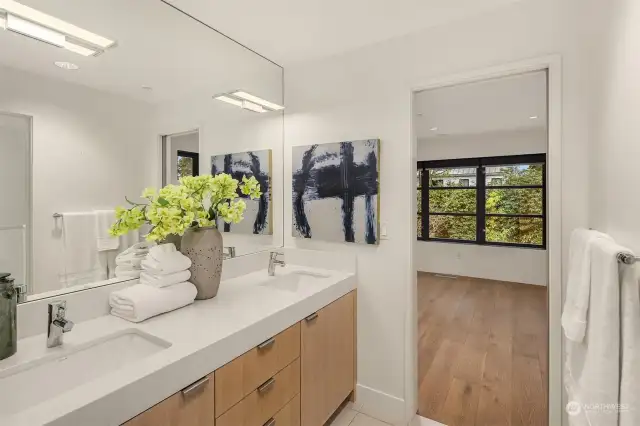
<point x="335" y="191"/>
<point x="257" y="216"/>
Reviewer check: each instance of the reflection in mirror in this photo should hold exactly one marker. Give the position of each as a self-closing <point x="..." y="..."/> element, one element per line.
<point x="96" y="113"/>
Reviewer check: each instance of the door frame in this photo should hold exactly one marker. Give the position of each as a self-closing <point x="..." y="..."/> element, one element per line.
<point x="553" y="66"/>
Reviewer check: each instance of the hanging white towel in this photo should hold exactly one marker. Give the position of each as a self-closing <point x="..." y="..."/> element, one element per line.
<point x="574" y="314"/>
<point x="630" y="346"/>
<point x="104" y="220"/>
<point x="592" y="371"/>
<point x="164" y="280"/>
<point x="139" y="302"/>
<point x="81" y="260"/>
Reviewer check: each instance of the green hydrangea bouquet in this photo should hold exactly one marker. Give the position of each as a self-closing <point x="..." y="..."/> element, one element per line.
<point x="196" y="202"/>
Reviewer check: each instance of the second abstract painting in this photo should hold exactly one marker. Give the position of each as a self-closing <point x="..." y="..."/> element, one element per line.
<point x="335" y="191"/>
<point x="251" y="163"/>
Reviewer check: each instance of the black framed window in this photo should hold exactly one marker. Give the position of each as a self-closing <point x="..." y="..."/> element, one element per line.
<point x="188" y="164"/>
<point x="486" y="201"/>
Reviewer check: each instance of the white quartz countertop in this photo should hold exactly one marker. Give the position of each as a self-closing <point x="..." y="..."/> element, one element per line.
<point x="203" y="336"/>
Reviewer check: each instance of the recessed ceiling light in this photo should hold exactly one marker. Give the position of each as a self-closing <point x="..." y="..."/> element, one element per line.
<point x="434" y="129"/>
<point x="533" y="117"/>
<point x="147" y="88"/>
<point x="66" y="65"/>
<point x="32" y="23"/>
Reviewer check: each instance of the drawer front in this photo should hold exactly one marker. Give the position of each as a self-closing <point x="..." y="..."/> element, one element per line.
<point x="266" y="401"/>
<point x="244" y="374"/>
<point x="288" y="416"/>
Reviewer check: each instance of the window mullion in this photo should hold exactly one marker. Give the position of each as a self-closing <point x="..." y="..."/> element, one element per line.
<point x="480" y="205"/>
<point x="424" y="176"/>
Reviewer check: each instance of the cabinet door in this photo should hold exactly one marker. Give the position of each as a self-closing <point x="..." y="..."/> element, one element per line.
<point x="193" y="406"/>
<point x="328" y="360"/>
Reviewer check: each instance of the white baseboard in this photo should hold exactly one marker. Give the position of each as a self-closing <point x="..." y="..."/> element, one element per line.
<point x="379" y="405"/>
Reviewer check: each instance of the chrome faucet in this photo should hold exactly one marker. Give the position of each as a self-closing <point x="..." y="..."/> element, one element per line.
<point x="57" y="323"/>
<point x="273" y="261"/>
<point x="230" y="252"/>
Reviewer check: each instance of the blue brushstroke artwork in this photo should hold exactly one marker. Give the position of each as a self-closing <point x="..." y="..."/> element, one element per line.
<point x="257" y="217"/>
<point x="335" y="191"/>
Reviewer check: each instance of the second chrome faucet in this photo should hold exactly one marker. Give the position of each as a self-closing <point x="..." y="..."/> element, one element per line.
<point x="58" y="324"/>
<point x="273" y="261"/>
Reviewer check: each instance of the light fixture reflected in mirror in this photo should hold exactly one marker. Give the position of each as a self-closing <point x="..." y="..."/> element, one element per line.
<point x="29" y="22"/>
<point x="248" y="101"/>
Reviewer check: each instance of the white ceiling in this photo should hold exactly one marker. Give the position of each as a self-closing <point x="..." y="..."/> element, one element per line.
<point x="501" y="104"/>
<point x="158" y="46"/>
<point x="289" y="31"/>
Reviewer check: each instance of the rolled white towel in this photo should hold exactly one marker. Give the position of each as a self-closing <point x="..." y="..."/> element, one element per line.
<point x="164" y="280"/>
<point x="127" y="272"/>
<point x="139" y="302"/>
<point x="166" y="263"/>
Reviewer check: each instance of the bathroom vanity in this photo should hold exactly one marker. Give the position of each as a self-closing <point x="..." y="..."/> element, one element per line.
<point x="267" y="350"/>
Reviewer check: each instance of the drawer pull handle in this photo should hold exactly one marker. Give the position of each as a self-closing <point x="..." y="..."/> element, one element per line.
<point x="266" y="344"/>
<point x="195" y="386"/>
<point x="266" y="386"/>
<point x="270" y="422"/>
<point x="311" y="317"/>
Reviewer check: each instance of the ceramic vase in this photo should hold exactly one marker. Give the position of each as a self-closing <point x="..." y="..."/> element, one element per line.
<point x="204" y="247"/>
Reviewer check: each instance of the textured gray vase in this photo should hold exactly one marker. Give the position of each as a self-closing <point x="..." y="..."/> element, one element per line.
<point x="204" y="247"/>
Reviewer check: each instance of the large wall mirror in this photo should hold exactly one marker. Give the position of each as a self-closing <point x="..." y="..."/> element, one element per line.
<point x="100" y="99"/>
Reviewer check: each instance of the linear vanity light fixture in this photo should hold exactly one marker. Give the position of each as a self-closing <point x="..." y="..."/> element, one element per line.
<point x="248" y="101"/>
<point x="29" y="22"/>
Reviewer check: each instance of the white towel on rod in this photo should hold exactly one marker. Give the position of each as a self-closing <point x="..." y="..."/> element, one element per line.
<point x="574" y="314"/>
<point x="630" y="346"/>
<point x="104" y="220"/>
<point x="81" y="262"/>
<point x="139" y="302"/>
<point x="592" y="370"/>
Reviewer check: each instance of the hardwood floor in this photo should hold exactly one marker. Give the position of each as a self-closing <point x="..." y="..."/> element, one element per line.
<point x="482" y="348"/>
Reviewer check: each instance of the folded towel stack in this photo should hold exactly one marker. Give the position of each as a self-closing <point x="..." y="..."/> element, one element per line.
<point x="163" y="287"/>
<point x="129" y="262"/>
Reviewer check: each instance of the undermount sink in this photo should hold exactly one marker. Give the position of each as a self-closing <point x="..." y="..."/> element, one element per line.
<point x="37" y="381"/>
<point x="290" y="280"/>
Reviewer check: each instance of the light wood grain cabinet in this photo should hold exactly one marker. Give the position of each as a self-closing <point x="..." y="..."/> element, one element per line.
<point x="301" y="376"/>
<point x="327" y="356"/>
<point x="193" y="406"/>
<point x="246" y="373"/>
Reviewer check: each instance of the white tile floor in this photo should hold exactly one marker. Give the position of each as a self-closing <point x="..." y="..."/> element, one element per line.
<point x="349" y="417"/>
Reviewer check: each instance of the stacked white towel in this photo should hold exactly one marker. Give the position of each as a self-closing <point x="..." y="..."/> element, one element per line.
<point x="163" y="287"/>
<point x="139" y="302"/>
<point x="129" y="262"/>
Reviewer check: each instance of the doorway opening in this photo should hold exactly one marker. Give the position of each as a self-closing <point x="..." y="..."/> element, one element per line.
<point x="481" y="254"/>
<point x="180" y="156"/>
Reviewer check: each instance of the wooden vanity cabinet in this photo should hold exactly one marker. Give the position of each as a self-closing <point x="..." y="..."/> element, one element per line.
<point x="299" y="377"/>
<point x="327" y="355"/>
<point x="193" y="406"/>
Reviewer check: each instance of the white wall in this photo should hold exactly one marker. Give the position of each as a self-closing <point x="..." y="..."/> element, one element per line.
<point x="615" y="203"/>
<point x="367" y="94"/>
<point x="520" y="265"/>
<point x="90" y="149"/>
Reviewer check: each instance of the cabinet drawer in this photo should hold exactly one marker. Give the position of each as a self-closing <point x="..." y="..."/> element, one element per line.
<point x="244" y="374"/>
<point x="266" y="401"/>
<point x="288" y="416"/>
